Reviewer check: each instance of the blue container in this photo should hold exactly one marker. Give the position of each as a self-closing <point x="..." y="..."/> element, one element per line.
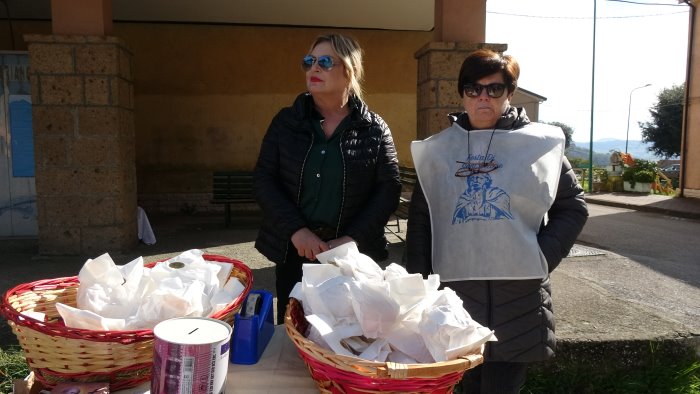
<point x="252" y="329"/>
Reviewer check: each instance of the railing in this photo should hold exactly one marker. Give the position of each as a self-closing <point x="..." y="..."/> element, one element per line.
<point x="603" y="182"/>
<point x="600" y="178"/>
<point x="663" y="184"/>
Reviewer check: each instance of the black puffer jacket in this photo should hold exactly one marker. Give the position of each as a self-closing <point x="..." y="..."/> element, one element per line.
<point x="371" y="185"/>
<point x="520" y="311"/>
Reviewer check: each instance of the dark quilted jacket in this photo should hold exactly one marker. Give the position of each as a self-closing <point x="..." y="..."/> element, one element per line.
<point x="371" y="185"/>
<point x="520" y="311"/>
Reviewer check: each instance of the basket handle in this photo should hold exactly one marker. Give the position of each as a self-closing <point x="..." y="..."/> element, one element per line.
<point x="397" y="370"/>
<point x="473" y="359"/>
<point x="403" y="371"/>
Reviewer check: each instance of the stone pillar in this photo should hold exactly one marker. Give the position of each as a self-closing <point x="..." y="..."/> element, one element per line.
<point x="82" y="103"/>
<point x="460" y="28"/>
<point x="438" y="70"/>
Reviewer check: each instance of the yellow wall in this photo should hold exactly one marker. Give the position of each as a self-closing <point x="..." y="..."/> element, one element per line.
<point x="205" y="94"/>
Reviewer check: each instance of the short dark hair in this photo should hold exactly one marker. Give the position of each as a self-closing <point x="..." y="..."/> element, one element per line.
<point x="484" y="62"/>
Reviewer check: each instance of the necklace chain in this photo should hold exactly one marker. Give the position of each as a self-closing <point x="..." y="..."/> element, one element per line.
<point x="488" y="147"/>
<point x="468" y="168"/>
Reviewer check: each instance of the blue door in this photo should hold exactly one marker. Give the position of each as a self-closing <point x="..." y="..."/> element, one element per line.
<point x="18" y="212"/>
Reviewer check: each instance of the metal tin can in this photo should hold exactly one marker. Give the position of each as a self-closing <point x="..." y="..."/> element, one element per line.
<point x="190" y="356"/>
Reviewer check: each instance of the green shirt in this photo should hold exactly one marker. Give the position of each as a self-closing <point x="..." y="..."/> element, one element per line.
<point x="322" y="182"/>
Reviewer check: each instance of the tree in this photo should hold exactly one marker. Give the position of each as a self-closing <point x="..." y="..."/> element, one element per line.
<point x="568" y="131"/>
<point x="578" y="162"/>
<point x="664" y="130"/>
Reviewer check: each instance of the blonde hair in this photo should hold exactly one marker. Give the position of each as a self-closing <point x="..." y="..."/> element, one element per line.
<point x="350" y="54"/>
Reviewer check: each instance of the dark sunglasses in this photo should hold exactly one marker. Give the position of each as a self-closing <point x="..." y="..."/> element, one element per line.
<point x="325" y="62"/>
<point x="494" y="90"/>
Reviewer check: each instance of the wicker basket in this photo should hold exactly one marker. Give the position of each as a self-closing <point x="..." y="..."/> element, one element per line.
<point x="335" y="373"/>
<point x="56" y="353"/>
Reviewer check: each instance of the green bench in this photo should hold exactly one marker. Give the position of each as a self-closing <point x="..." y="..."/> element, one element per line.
<point x="232" y="187"/>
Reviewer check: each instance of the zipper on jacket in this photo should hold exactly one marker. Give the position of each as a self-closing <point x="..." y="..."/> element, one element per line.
<point x="342" y="196"/>
<point x="353" y="124"/>
<point x="301" y="178"/>
<point x="489" y="298"/>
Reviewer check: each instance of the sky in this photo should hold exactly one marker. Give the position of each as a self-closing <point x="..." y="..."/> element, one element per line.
<point x="637" y="42"/>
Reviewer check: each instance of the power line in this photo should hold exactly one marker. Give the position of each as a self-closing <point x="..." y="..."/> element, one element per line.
<point x="640" y="3"/>
<point x="584" y="17"/>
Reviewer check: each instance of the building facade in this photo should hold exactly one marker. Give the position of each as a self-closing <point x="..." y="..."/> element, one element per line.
<point x="141" y="112"/>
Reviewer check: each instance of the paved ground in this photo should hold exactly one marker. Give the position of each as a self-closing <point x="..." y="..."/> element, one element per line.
<point x="681" y="207"/>
<point x="586" y="313"/>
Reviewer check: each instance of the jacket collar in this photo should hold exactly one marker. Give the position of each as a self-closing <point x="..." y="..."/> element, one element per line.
<point x="512" y="118"/>
<point x="304" y="108"/>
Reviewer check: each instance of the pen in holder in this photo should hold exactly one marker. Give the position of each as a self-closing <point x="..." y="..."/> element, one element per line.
<point x="253" y="327"/>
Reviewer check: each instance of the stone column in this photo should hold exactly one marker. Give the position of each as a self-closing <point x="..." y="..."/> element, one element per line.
<point x="460" y="28"/>
<point x="82" y="93"/>
<point x="438" y="70"/>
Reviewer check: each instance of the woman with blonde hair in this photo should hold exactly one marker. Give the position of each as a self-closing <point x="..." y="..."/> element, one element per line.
<point x="327" y="171"/>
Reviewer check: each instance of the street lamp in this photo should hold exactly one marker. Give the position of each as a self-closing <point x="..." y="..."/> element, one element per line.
<point x="629" y="109"/>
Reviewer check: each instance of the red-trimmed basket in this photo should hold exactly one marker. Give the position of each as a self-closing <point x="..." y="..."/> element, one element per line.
<point x="56" y="353"/>
<point x="335" y="373"/>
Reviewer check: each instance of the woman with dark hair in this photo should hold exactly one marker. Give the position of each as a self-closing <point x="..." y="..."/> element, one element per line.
<point x="327" y="173"/>
<point x="495" y="210"/>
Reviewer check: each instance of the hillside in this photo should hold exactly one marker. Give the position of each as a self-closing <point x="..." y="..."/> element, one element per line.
<point x="599" y="159"/>
<point x="602" y="148"/>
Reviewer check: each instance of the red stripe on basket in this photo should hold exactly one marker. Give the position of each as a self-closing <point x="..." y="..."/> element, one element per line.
<point x="342" y="381"/>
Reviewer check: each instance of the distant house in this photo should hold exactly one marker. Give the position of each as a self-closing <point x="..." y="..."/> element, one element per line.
<point x="663" y="163"/>
<point x="530" y="101"/>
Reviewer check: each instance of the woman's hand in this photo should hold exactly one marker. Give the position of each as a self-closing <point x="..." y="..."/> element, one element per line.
<point x="308" y="244"/>
<point x="339" y="241"/>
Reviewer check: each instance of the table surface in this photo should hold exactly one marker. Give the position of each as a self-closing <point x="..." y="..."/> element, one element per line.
<point x="280" y="370"/>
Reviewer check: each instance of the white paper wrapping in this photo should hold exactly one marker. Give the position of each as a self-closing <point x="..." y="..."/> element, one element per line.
<point x="133" y="297"/>
<point x="356" y="308"/>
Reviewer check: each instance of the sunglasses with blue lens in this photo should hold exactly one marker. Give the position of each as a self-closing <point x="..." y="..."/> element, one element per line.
<point x="494" y="90"/>
<point x="325" y="62"/>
